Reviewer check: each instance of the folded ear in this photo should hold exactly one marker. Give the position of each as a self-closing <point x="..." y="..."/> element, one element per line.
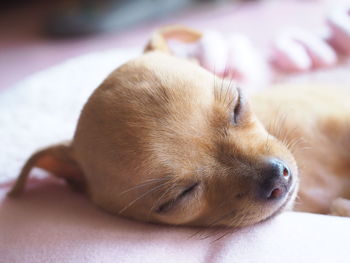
<point x="56" y="159"/>
<point x="159" y="39"/>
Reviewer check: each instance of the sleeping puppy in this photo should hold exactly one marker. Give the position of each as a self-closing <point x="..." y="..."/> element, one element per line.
<point x="163" y="140"/>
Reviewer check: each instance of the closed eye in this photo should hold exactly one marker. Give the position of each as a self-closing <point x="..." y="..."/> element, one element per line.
<point x="237" y="108"/>
<point x="167" y="206"/>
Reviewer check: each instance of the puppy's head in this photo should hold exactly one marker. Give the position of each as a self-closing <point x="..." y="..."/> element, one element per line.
<point x="163" y="140"/>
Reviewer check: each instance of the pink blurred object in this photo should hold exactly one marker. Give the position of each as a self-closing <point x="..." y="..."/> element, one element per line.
<point x="246" y="63"/>
<point x="235" y="58"/>
<point x="213" y="52"/>
<point x="183" y="50"/>
<point x="339" y="23"/>
<point x="297" y="50"/>
<point x="321" y="53"/>
<point x="289" y="55"/>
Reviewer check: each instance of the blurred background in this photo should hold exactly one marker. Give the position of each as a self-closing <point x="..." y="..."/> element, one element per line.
<point x="35" y="34"/>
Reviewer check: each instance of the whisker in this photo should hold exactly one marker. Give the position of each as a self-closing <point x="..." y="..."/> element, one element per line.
<point x="144" y="183"/>
<point x="291" y="145"/>
<point x="212" y="223"/>
<point x="161" y="197"/>
<point x="227" y="97"/>
<point x="142" y="196"/>
<point x="231" y="99"/>
<point x="230" y="230"/>
<point x="277" y="125"/>
<point x="222" y="81"/>
<point x="267" y="145"/>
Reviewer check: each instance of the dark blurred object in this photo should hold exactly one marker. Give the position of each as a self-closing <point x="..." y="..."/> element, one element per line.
<point x="70" y="18"/>
<point x="80" y="17"/>
<point x="6" y="4"/>
<point x="10" y="3"/>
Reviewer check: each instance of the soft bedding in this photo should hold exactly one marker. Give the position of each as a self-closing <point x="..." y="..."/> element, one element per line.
<point x="51" y="223"/>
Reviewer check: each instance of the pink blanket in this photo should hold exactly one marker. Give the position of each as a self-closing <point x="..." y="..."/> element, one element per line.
<point x="50" y="223"/>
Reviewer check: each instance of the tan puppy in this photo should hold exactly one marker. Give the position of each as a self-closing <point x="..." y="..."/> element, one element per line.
<point x="163" y="140"/>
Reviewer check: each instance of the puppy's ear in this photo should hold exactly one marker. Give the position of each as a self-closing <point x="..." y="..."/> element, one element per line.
<point x="159" y="39"/>
<point x="56" y="159"/>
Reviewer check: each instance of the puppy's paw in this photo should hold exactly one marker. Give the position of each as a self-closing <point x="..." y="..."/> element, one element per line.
<point x="340" y="207"/>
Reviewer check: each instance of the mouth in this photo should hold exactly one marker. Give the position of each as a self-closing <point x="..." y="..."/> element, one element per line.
<point x="252" y="220"/>
<point x="277" y="208"/>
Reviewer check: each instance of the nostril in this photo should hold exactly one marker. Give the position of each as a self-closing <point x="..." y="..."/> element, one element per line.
<point x="276" y="193"/>
<point x="285" y="172"/>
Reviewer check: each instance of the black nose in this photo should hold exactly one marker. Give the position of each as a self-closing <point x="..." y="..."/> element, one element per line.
<point x="275" y="180"/>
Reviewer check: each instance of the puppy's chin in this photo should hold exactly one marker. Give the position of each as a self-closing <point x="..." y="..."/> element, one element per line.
<point x="284" y="205"/>
<point x="269" y="211"/>
<point x="252" y="212"/>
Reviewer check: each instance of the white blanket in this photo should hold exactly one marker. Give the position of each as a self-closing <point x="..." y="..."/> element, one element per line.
<point x="44" y="108"/>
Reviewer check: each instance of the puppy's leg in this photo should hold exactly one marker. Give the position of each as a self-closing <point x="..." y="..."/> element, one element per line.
<point x="340" y="207"/>
<point x="56" y="159"/>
